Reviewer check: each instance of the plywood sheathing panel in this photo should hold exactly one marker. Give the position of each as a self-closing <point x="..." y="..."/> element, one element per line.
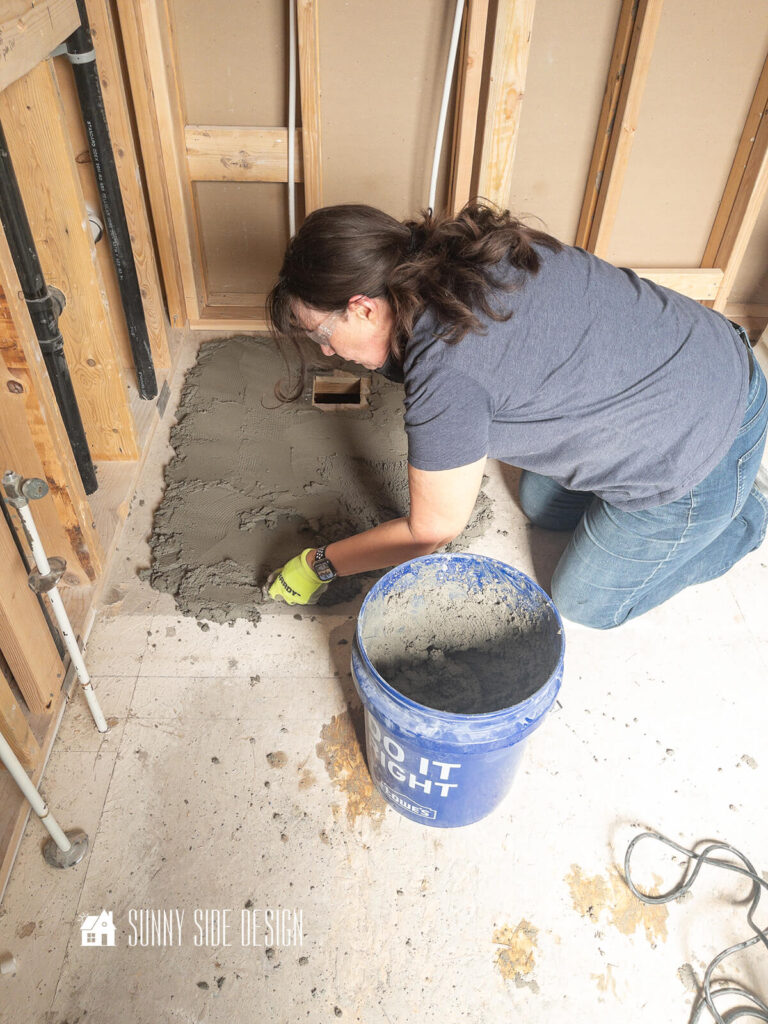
<point x="33" y="119"/>
<point x="123" y="147"/>
<point x="702" y="77"/>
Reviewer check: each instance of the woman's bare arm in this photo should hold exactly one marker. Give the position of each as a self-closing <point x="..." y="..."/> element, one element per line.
<point x="440" y="506"/>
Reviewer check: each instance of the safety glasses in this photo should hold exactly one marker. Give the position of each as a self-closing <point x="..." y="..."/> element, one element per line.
<point x="321" y="334"/>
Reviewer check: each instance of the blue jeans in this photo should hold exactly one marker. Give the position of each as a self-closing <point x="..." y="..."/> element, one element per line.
<point x="619" y="564"/>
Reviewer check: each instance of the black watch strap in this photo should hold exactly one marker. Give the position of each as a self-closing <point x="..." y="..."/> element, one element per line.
<point x="323" y="566"/>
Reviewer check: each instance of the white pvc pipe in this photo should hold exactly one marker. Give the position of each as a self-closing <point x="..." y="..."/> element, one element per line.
<point x="60" y="612"/>
<point x="39" y="805"/>
<point x="292" y="117"/>
<point x="444" y="105"/>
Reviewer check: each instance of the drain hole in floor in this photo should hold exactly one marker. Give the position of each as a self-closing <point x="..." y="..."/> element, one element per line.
<point x="340" y="391"/>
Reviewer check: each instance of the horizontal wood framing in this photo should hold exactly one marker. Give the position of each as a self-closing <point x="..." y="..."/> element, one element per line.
<point x="31" y="109"/>
<point x="245" y="312"/>
<point x="509" y="67"/>
<point x="230" y="318"/>
<point x="29" y="31"/>
<point x="176" y="155"/>
<point x="695" y="282"/>
<point x="240" y="154"/>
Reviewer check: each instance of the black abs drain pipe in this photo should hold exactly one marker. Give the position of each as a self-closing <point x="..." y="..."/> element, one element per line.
<point x="45" y="305"/>
<point x="78" y="48"/>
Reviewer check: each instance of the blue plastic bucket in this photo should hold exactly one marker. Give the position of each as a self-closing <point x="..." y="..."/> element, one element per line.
<point x="444" y="767"/>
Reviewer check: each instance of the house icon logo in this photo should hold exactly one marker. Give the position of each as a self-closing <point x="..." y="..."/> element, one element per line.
<point x="98" y="930"/>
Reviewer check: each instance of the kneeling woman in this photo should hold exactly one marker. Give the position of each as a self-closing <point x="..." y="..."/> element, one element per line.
<point x="637" y="415"/>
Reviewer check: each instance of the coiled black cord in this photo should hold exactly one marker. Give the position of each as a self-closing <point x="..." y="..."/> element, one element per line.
<point x="757" y="1009"/>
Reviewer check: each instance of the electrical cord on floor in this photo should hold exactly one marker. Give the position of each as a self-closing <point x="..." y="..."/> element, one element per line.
<point x="757" y="1009"/>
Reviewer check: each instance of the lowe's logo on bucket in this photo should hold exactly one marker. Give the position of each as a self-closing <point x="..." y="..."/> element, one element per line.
<point x="409" y="768"/>
<point x="408" y="805"/>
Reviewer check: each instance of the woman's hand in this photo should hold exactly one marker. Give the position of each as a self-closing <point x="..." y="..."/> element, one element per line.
<point x="296" y="582"/>
<point x="441" y="505"/>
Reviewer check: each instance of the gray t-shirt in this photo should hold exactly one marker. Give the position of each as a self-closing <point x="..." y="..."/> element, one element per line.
<point x="601" y="380"/>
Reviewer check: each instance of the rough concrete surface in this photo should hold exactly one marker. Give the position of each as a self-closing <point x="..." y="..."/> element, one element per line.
<point x="252" y="482"/>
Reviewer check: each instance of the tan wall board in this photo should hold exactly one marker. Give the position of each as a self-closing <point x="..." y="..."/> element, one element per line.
<point x="244" y="227"/>
<point x="381" y="70"/>
<point x="233" y="61"/>
<point x="702" y="78"/>
<point x="570" y="51"/>
<point x="381" y="75"/>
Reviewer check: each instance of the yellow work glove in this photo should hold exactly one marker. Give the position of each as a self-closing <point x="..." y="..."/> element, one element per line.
<point x="296" y="583"/>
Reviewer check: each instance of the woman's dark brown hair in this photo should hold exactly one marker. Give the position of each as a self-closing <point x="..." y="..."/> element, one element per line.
<point x="452" y="265"/>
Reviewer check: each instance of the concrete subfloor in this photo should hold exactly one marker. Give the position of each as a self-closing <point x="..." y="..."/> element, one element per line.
<point x="232" y="778"/>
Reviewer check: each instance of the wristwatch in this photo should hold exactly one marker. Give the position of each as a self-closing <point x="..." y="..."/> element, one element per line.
<point x="323" y="566"/>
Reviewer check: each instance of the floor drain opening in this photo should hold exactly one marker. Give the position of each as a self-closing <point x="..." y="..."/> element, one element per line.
<point x="340" y="391"/>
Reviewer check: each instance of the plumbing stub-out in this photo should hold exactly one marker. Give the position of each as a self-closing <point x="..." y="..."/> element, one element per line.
<point x="337" y="391"/>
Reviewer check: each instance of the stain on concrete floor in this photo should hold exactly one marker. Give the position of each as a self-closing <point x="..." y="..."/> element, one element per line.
<point x="516" y="958"/>
<point x="339" y="749"/>
<point x="606" y="982"/>
<point x="253" y="482"/>
<point x="594" y="895"/>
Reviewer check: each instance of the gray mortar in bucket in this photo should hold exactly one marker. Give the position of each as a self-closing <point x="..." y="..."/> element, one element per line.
<point x="467" y="653"/>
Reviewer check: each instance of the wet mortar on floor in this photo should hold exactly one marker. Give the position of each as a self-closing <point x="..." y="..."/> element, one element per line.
<point x="253" y="482"/>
